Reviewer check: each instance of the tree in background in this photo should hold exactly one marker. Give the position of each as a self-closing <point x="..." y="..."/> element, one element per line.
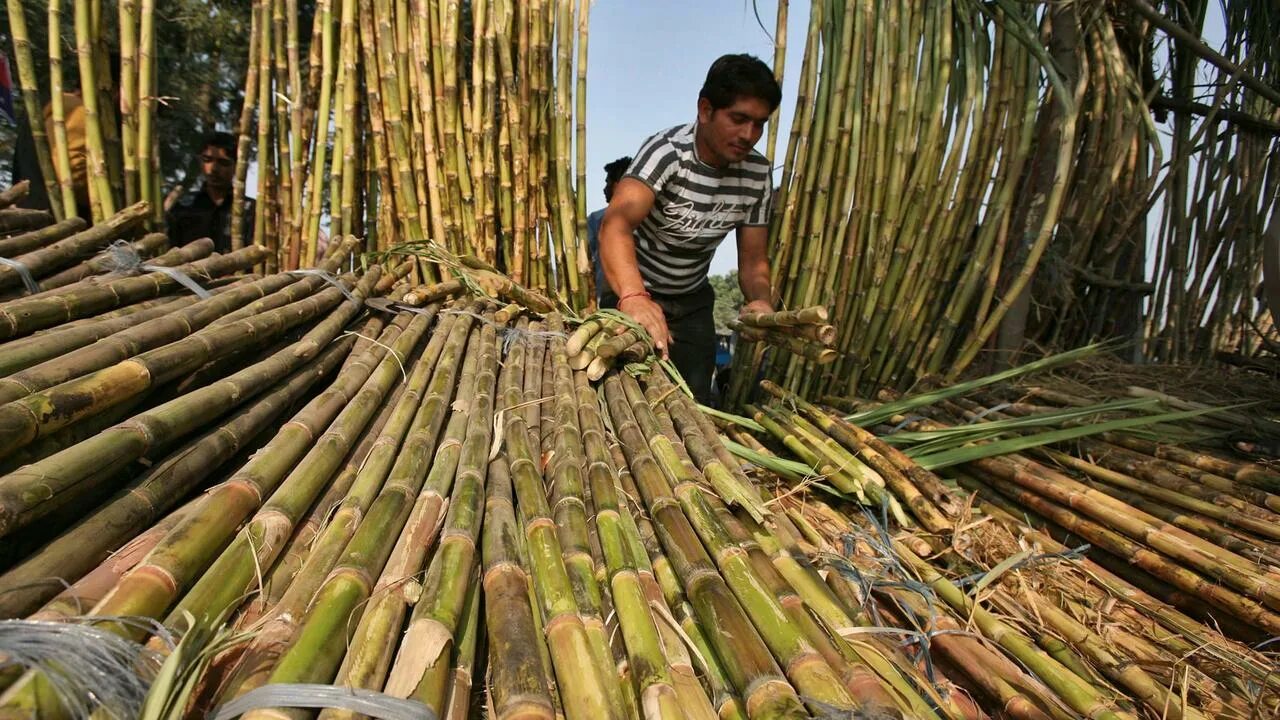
<point x="728" y="299"/>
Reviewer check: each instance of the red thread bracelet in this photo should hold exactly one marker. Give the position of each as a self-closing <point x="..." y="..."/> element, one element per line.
<point x="641" y="293"/>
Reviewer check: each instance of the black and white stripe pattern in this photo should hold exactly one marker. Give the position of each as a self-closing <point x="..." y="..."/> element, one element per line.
<point x="695" y="206"/>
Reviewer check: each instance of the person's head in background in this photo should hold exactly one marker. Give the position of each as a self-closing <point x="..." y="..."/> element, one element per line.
<point x="613" y="172"/>
<point x="218" y="162"/>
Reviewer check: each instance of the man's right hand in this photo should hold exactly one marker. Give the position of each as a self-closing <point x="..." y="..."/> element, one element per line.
<point x="649" y="314"/>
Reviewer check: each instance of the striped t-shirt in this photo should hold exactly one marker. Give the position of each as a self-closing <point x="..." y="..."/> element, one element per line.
<point x="695" y="206"/>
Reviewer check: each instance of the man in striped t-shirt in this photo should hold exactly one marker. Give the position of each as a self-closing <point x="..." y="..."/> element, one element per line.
<point x="687" y="187"/>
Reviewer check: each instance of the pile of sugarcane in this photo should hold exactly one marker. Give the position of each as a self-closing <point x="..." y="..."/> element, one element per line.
<point x="402" y="499"/>
<point x="985" y="536"/>
<point x="407" y="492"/>
<point x="803" y="332"/>
<point x="605" y="340"/>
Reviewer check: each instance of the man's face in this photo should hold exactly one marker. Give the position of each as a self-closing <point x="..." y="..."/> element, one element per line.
<point x="218" y="167"/>
<point x="731" y="132"/>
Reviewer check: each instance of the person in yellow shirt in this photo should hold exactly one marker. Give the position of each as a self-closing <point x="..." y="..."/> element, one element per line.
<point x="73" y="119"/>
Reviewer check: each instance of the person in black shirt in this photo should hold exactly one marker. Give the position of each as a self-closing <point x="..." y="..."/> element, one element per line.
<point x="206" y="211"/>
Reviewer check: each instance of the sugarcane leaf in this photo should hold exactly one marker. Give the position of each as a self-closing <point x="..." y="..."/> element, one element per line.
<point x="883" y="412"/>
<point x="1005" y="566"/>
<point x="1026" y="442"/>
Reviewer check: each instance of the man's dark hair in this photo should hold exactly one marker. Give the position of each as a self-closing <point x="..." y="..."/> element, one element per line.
<point x="742" y="75"/>
<point x="614" y="171"/>
<point x="223" y="140"/>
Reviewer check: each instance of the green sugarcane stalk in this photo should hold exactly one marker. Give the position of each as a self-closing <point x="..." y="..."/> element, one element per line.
<point x="89" y="589"/>
<point x="465" y="657"/>
<point x="134" y="341"/>
<point x="25" y="352"/>
<point x="318" y="650"/>
<point x="143" y="500"/>
<point x="57" y="106"/>
<point x="128" y="25"/>
<point x="25" y="242"/>
<point x="570" y="515"/>
<point x="648" y="665"/>
<point x="517" y="687"/>
<point x="1079" y="695"/>
<point x="857" y="680"/>
<point x="315" y="195"/>
<point x="854" y="440"/>
<point x="104" y="204"/>
<point x="298" y="550"/>
<point x="243" y="141"/>
<point x="422" y="662"/>
<point x="734" y="489"/>
<point x="152" y="247"/>
<point x="576" y="673"/>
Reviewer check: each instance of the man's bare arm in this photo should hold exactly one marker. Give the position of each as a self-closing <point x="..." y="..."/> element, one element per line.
<point x="753" y="268"/>
<point x="632" y="201"/>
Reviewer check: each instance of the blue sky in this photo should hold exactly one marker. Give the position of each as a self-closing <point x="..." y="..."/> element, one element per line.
<point x="646" y="62"/>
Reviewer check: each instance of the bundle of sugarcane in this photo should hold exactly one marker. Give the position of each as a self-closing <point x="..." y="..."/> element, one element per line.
<point x="992" y="148"/>
<point x="802" y="332"/>
<point x="457" y="123"/>
<point x="32" y="259"/>
<point x="1198" y="535"/>
<point x="431" y="492"/>
<point x="1078" y="664"/>
<point x="607" y="339"/>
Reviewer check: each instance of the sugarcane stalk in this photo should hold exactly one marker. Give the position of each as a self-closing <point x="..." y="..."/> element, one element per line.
<point x="58" y="255"/>
<point x="40" y="413"/>
<point x="328" y="547"/>
<point x="815" y="315"/>
<point x="25" y="352"/>
<point x="570" y="515"/>
<point x="25" y="242"/>
<point x="15" y="193"/>
<point x="104" y="204"/>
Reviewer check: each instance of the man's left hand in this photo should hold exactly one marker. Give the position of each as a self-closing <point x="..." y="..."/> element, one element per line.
<point x="755" y="306"/>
